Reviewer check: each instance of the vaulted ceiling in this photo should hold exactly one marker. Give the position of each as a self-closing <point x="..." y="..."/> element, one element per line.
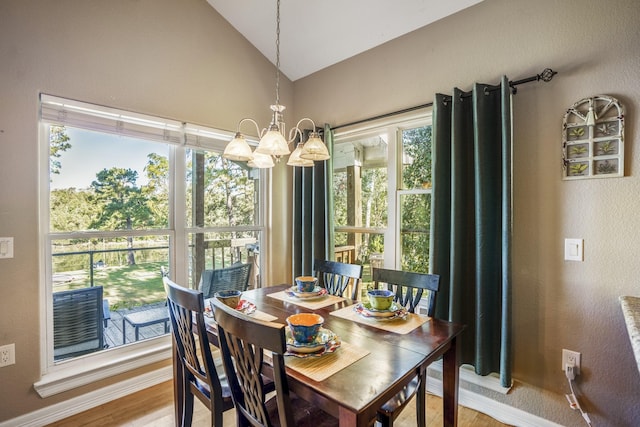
<point x="315" y="34"/>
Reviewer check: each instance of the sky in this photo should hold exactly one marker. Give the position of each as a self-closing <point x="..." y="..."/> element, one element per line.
<point x="91" y="152"/>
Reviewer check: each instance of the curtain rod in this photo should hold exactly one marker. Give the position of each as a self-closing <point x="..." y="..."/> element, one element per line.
<point x="546" y="76"/>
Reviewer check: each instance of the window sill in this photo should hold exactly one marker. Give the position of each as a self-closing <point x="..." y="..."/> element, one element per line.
<point x="89" y="369"/>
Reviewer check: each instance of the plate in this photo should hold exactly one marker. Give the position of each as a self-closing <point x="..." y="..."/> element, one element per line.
<point x="318" y="292"/>
<point x="326" y="342"/>
<point x="244" y="306"/>
<point x="394" y="312"/>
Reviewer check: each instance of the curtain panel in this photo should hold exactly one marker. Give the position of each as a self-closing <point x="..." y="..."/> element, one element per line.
<point x="313" y="212"/>
<point x="472" y="221"/>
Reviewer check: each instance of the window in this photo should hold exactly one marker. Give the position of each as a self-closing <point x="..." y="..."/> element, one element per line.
<point x="382" y="195"/>
<point x="127" y="199"/>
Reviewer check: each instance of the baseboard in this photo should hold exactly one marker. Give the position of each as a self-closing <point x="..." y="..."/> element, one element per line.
<point x="504" y="413"/>
<point x="74" y="406"/>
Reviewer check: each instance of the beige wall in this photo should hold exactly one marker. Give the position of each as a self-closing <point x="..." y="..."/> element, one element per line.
<point x="174" y="59"/>
<point x="595" y="47"/>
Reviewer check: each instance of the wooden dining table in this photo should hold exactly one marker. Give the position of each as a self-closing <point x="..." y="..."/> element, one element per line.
<point x="385" y="360"/>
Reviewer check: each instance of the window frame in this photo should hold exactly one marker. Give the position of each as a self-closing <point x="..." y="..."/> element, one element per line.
<point x="393" y="127"/>
<point x="60" y="376"/>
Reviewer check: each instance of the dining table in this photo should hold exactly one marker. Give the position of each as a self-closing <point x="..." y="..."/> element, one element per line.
<point x="371" y="361"/>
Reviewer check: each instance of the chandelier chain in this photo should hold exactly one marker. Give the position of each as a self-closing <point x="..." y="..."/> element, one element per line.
<point x="278" y="53"/>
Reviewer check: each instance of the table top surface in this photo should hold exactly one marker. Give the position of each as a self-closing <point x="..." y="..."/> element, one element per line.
<point x="392" y="359"/>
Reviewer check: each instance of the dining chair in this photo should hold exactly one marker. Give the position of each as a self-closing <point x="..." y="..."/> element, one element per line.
<point x="234" y="277"/>
<point x="409" y="288"/>
<point x="243" y="342"/>
<point x="335" y="276"/>
<point x="203" y="376"/>
<point x="78" y="322"/>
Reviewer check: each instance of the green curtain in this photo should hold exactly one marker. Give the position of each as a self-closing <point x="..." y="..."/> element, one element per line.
<point x="472" y="221"/>
<point x="313" y="212"/>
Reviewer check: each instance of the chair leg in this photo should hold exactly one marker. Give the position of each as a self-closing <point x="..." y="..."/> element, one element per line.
<point x="187" y="414"/>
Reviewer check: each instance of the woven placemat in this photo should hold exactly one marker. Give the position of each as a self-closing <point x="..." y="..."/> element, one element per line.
<point x="311" y="305"/>
<point x="321" y="368"/>
<point x="399" y="326"/>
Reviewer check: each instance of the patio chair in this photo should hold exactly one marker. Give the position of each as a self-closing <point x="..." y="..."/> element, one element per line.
<point x="336" y="276"/>
<point x="78" y="322"/>
<point x="235" y="277"/>
<point x="203" y="376"/>
<point x="409" y="289"/>
<point x="243" y="341"/>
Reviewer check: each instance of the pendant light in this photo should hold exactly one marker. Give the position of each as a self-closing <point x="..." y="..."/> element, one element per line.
<point x="273" y="144"/>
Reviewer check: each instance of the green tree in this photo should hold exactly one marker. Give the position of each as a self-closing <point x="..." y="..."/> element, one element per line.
<point x="157" y="189"/>
<point x="58" y="143"/>
<point x="71" y="210"/>
<point x="416" y="208"/>
<point x="124" y="206"/>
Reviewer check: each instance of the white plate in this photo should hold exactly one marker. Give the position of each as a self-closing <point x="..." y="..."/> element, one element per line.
<point x="318" y="292"/>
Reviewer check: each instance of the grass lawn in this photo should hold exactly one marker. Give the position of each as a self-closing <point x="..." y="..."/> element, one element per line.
<point x="125" y="286"/>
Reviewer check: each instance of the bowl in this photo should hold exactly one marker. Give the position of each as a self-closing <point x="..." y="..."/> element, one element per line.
<point x="305" y="326"/>
<point x="380" y="299"/>
<point x="230" y="297"/>
<point x="306" y="283"/>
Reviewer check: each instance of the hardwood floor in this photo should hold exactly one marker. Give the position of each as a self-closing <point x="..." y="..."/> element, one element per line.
<point x="153" y="407"/>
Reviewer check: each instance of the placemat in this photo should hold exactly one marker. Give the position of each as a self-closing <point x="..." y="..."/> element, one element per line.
<point x="399" y="326"/>
<point x="321" y="368"/>
<point x="260" y="315"/>
<point x="311" y="305"/>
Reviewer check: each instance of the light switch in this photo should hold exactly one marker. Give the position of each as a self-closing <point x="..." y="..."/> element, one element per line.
<point x="573" y="250"/>
<point x="6" y="247"/>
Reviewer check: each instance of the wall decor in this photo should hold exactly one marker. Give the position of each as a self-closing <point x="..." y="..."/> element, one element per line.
<point x="593" y="139"/>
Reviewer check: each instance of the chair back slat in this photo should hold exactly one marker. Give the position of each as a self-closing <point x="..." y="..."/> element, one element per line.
<point x="409" y="287"/>
<point x="336" y="276"/>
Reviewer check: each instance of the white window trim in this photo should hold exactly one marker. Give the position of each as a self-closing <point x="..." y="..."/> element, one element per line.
<point x="392" y="126"/>
<point x="66" y="375"/>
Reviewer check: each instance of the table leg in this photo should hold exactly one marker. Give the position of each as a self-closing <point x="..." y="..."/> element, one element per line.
<point x="450" y="377"/>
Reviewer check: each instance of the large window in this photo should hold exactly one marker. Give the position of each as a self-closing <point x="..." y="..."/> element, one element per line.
<point x="128" y="199"/>
<point x="382" y="195"/>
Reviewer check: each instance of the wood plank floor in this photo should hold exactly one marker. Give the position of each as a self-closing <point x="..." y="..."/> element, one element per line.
<point x="153" y="407"/>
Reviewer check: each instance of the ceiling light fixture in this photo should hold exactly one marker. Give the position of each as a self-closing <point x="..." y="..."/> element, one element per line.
<point x="273" y="144"/>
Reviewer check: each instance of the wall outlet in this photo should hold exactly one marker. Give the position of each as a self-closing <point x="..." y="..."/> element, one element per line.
<point x="7" y="355"/>
<point x="571" y="357"/>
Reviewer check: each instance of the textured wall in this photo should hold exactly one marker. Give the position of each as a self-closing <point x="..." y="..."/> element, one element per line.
<point x="595" y="47"/>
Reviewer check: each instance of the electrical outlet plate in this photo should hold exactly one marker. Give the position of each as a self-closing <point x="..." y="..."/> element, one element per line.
<point x="569" y="357"/>
<point x="7" y="355"/>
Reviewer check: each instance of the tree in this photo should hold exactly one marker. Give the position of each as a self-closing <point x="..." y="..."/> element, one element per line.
<point x="58" y="143"/>
<point x="124" y="205"/>
<point x="157" y="190"/>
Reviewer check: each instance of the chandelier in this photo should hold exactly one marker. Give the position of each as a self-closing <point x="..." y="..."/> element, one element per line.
<point x="273" y="144"/>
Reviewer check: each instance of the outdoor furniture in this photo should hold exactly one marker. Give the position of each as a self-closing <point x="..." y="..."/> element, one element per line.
<point x="78" y="317"/>
<point x="243" y="342"/>
<point x="140" y="319"/>
<point x="197" y="373"/>
<point x="409" y="287"/>
<point x="336" y="276"/>
<point x="235" y="277"/>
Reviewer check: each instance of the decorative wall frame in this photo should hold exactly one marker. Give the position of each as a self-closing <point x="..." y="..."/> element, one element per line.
<point x="593" y="139"/>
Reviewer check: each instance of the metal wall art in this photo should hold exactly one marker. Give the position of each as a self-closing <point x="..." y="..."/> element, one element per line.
<point x="593" y="139"/>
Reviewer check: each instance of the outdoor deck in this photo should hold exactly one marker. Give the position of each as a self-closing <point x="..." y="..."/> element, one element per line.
<point x="113" y="332"/>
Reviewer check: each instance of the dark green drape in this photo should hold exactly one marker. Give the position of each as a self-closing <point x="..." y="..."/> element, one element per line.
<point x="313" y="212"/>
<point x="472" y="221"/>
